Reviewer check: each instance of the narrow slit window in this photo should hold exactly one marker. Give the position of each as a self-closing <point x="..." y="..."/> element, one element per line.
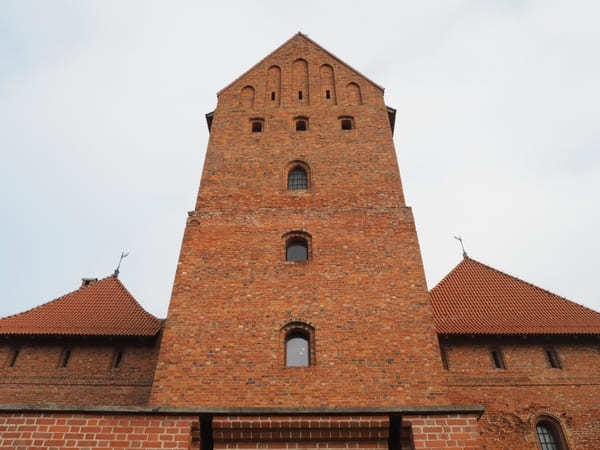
<point x="257" y="126"/>
<point x="64" y="359"/>
<point x="498" y="359"/>
<point x="272" y="96"/>
<point x="347" y="124"/>
<point x="553" y="358"/>
<point x="13" y="358"/>
<point x="327" y="94"/>
<point x="118" y="359"/>
<point x="301" y="125"/>
<point x="444" y="355"/>
<point x="299" y="95"/>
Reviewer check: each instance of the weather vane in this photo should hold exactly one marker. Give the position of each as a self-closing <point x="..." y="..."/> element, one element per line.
<point x="459" y="239"/>
<point x="124" y="255"/>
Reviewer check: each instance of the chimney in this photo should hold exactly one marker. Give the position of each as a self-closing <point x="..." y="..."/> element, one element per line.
<point x="88" y="281"/>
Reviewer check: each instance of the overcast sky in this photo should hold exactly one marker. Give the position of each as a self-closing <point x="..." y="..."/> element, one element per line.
<point x="103" y="137"/>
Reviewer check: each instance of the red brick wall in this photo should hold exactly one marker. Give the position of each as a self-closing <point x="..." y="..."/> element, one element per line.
<point x="363" y="290"/>
<point x="281" y="432"/>
<point x="95" y="431"/>
<point x="529" y="388"/>
<point x="450" y="431"/>
<point x="88" y="379"/>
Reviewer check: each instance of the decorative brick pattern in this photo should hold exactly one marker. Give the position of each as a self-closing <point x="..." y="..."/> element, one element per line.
<point x="281" y="432"/>
<point x="99" y="432"/>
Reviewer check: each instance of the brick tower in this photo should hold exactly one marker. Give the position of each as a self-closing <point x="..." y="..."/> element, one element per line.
<point x="360" y="297"/>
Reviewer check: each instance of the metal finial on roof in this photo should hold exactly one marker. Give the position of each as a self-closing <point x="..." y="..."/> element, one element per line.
<point x="459" y="239"/>
<point x="124" y="255"/>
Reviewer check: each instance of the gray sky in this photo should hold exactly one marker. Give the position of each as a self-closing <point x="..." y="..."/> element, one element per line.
<point x="102" y="130"/>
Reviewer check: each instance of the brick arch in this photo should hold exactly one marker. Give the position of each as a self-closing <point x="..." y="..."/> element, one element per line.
<point x="554" y="424"/>
<point x="304" y="328"/>
<point x="247" y="97"/>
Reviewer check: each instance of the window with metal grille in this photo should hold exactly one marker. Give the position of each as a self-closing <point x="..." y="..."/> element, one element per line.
<point x="297" y="179"/>
<point x="347" y="123"/>
<point x="547" y="437"/>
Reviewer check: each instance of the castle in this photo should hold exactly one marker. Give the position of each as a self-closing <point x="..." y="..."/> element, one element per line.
<point x="300" y="315"/>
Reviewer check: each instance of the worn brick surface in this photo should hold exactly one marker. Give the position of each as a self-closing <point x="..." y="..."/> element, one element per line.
<point x="88" y="378"/>
<point x="363" y="289"/>
<point x="51" y="431"/>
<point x="528" y="388"/>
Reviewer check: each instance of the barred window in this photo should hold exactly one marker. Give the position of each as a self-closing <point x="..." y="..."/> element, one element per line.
<point x="297" y="179"/>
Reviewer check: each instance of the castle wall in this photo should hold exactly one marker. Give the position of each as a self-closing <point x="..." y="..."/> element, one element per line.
<point x="528" y="389"/>
<point x="90" y="377"/>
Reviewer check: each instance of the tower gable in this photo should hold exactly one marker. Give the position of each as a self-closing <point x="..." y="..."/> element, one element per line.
<point x="276" y="80"/>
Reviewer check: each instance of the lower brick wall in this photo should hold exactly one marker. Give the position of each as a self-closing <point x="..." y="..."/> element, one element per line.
<point x="450" y="431"/>
<point x="97" y="431"/>
<point x="283" y="432"/>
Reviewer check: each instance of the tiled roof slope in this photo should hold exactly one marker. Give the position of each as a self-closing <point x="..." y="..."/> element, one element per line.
<point x="477" y="299"/>
<point x="103" y="308"/>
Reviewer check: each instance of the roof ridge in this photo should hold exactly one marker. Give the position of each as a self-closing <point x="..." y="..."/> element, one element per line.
<point x="302" y="35"/>
<point x="532" y="285"/>
<point x="54" y="300"/>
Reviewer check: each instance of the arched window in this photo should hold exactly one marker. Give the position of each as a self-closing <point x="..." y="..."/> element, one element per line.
<point x="549" y="434"/>
<point x="299" y="344"/>
<point x="296" y="249"/>
<point x="301" y="123"/>
<point x="297" y="349"/>
<point x="297" y="246"/>
<point x="297" y="178"/>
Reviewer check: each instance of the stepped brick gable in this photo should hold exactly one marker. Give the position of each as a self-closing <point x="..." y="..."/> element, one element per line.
<point x="362" y="290"/>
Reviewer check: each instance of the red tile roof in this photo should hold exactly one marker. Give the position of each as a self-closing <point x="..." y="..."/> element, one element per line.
<point x="477" y="299"/>
<point x="104" y="307"/>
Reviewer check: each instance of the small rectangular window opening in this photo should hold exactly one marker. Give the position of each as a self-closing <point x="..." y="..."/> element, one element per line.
<point x="257" y="126"/>
<point x="300" y="125"/>
<point x="64" y="360"/>
<point x="327" y="93"/>
<point x="272" y="96"/>
<point x="498" y="360"/>
<point x="444" y="354"/>
<point x="299" y="95"/>
<point x="118" y="359"/>
<point x="13" y="358"/>
<point x="553" y="358"/>
<point x="346" y="124"/>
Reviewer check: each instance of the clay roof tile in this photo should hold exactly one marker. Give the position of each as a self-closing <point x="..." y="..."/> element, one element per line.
<point x="103" y="308"/>
<point x="477" y="299"/>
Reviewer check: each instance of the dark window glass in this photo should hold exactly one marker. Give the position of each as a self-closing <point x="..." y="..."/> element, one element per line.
<point x="546" y="437"/>
<point x="346" y="124"/>
<point x="297" y="179"/>
<point x="296" y="250"/>
<point x="327" y="94"/>
<point x="257" y="126"/>
<point x="299" y="95"/>
<point x="300" y="125"/>
<point x="297" y="352"/>
<point x="498" y="360"/>
<point x="553" y="358"/>
<point x="272" y="96"/>
<point x="13" y="358"/>
<point x="65" y="358"/>
<point x="118" y="359"/>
